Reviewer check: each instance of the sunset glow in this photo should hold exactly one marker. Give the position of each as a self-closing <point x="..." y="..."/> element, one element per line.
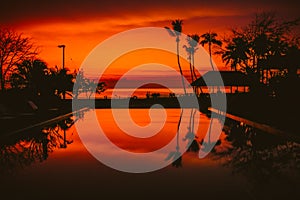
<point x="82" y="26"/>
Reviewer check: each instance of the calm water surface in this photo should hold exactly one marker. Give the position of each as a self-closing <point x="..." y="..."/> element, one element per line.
<point x="54" y="163"/>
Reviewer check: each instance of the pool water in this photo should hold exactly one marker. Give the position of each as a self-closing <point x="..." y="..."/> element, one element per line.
<point x="54" y="162"/>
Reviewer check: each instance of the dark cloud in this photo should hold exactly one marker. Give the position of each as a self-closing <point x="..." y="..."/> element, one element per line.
<point x="18" y="12"/>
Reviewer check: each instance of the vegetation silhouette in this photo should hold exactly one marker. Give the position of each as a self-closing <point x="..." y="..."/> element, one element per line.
<point x="24" y="149"/>
<point x="14" y="49"/>
<point x="257" y="155"/>
<point x="87" y="86"/>
<point x="210" y="38"/>
<point x="192" y="41"/>
<point x="176" y="32"/>
<point x="266" y="50"/>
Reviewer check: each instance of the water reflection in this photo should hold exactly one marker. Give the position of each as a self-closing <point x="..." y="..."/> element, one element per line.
<point x="244" y="150"/>
<point x="24" y="149"/>
<point x="191" y="135"/>
<point x="176" y="155"/>
<point x="257" y="155"/>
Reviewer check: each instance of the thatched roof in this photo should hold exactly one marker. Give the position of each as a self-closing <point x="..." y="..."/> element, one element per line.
<point x="230" y="78"/>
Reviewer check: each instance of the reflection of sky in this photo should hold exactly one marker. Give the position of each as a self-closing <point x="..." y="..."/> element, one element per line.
<point x="142" y="118"/>
<point x="73" y="172"/>
<point x="114" y="144"/>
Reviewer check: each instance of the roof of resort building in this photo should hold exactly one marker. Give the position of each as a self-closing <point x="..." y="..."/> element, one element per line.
<point x="229" y="78"/>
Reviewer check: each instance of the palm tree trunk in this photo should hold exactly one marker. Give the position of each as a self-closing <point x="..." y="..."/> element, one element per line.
<point x="178" y="61"/>
<point x="192" y="75"/>
<point x="193" y="67"/>
<point x="210" y="59"/>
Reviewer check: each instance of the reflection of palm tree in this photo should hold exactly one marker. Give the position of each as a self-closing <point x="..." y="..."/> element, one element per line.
<point x="176" y="155"/>
<point x="63" y="125"/>
<point x="190" y="136"/>
<point x="259" y="156"/>
<point x="210" y="39"/>
<point x="22" y="150"/>
<point x="176" y="32"/>
<point x="207" y="146"/>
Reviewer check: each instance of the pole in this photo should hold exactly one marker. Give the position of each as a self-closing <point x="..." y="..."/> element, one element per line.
<point x="63" y="57"/>
<point x="63" y="63"/>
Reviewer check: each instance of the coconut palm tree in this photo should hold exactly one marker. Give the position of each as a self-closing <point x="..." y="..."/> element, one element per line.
<point x="62" y="82"/>
<point x="30" y="74"/>
<point x="192" y="41"/>
<point x="176" y="32"/>
<point x="236" y="53"/>
<point x="210" y="38"/>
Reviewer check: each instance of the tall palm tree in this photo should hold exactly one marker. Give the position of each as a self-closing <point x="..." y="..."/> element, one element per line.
<point x="192" y="41"/>
<point x="210" y="38"/>
<point x="176" y="32"/>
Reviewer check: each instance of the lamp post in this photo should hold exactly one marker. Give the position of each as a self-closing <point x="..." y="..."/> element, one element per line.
<point x="63" y="63"/>
<point x="63" y="54"/>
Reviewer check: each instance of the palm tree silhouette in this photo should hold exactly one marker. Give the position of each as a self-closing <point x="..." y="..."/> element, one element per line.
<point x="192" y="41"/>
<point x="176" y="32"/>
<point x="210" y="39"/>
<point x="30" y="74"/>
<point x="236" y="53"/>
<point x="62" y="81"/>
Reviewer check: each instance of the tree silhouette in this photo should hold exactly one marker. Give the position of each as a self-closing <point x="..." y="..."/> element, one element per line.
<point x="61" y="81"/>
<point x="192" y="41"/>
<point x="292" y="61"/>
<point x="235" y="53"/>
<point x="176" y="32"/>
<point x="258" y="155"/>
<point x="30" y="74"/>
<point x="87" y="86"/>
<point x="14" y="48"/>
<point x="210" y="38"/>
<point x="261" y="45"/>
<point x="19" y="151"/>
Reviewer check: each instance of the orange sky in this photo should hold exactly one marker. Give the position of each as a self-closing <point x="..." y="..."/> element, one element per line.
<point x="82" y="25"/>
